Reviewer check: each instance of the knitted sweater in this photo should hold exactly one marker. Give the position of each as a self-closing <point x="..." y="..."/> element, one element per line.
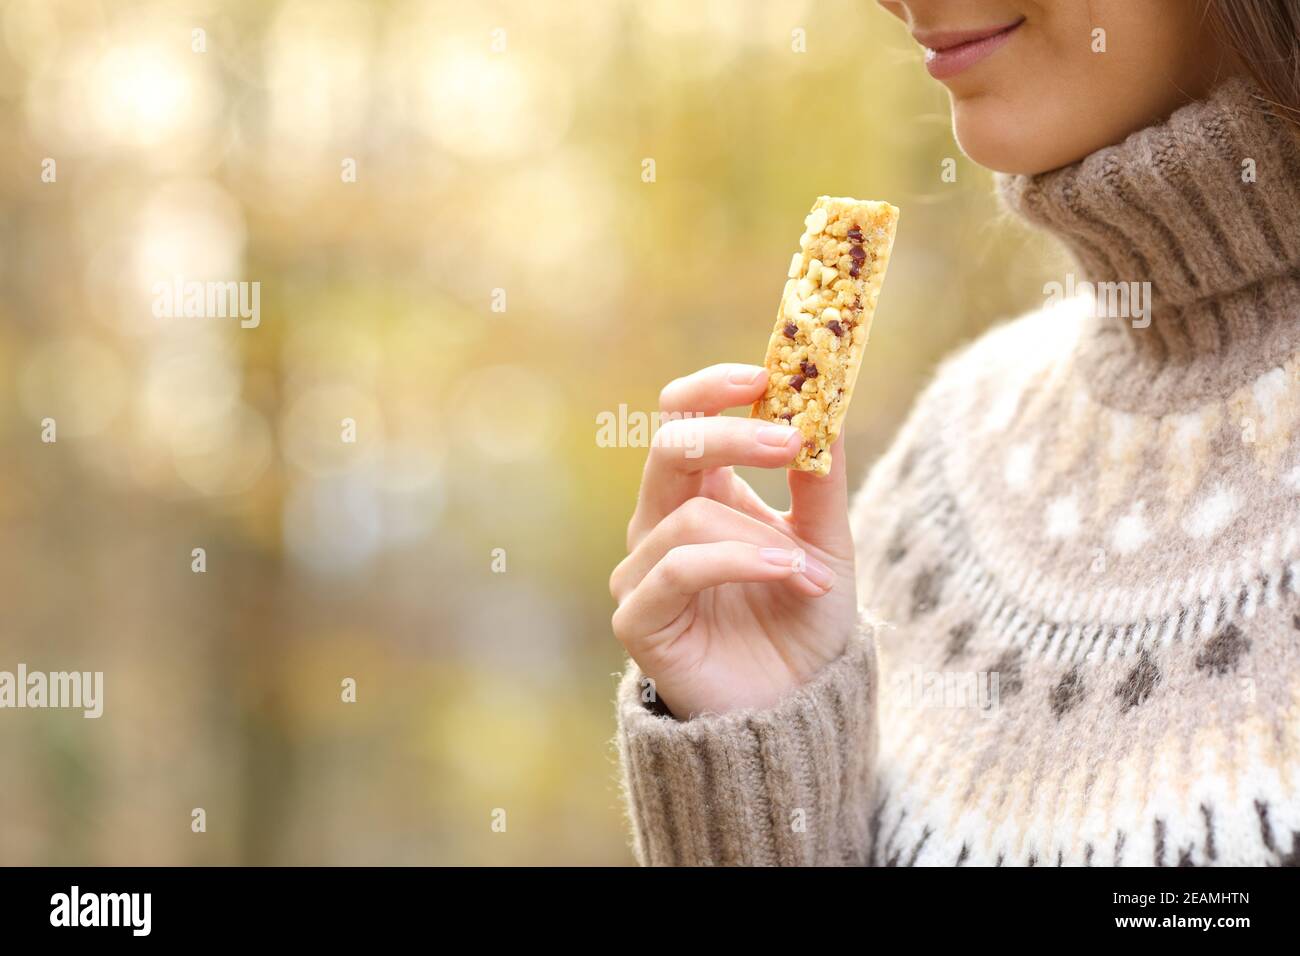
<point x="1079" y="563"/>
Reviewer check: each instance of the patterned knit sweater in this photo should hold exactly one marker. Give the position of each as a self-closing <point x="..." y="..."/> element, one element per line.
<point x="1080" y="564"/>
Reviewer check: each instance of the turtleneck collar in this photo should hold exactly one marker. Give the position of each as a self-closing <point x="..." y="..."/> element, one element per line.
<point x="1205" y="207"/>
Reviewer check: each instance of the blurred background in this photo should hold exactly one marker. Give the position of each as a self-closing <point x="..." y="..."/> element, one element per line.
<point x="498" y="274"/>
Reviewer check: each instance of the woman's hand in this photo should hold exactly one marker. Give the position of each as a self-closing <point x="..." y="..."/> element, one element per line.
<point x="723" y="602"/>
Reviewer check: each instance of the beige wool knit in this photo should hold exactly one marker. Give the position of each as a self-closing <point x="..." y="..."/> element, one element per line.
<point x="1079" y="565"/>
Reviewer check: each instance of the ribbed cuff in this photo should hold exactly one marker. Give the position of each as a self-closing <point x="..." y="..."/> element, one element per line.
<point x="785" y="786"/>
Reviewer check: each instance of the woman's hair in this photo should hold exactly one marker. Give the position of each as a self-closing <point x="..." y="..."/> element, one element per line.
<point x="1265" y="36"/>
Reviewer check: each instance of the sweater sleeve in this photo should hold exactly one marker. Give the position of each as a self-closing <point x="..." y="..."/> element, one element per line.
<point x="787" y="786"/>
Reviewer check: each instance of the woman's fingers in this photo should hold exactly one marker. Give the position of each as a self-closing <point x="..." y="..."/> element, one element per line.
<point x="685" y="449"/>
<point x="712" y="389"/>
<point x="692" y="443"/>
<point x="703" y="520"/>
<point x="653" y="615"/>
<point x="819" y="506"/>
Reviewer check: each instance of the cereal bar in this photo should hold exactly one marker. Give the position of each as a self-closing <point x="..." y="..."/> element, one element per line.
<point x="821" y="328"/>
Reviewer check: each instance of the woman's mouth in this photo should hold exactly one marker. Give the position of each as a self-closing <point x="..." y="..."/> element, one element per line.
<point x="947" y="54"/>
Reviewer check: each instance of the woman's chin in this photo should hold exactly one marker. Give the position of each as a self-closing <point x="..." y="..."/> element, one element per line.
<point x="1003" y="144"/>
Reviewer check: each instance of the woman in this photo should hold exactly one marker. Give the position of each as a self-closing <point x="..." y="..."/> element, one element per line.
<point x="1078" y="563"/>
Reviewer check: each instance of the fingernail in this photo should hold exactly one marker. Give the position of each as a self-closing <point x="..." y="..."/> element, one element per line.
<point x="742" y="376"/>
<point x="818" y="573"/>
<point x="778" y="436"/>
<point x="782" y="557"/>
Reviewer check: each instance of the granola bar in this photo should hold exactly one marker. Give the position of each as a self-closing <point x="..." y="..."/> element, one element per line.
<point x="821" y="328"/>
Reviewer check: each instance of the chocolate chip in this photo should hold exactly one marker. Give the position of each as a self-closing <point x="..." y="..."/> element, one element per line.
<point x="790" y="330"/>
<point x="855" y="270"/>
<point x="787" y="415"/>
<point x="857" y="253"/>
<point x="855" y="234"/>
<point x="809" y="369"/>
<point x="835" y="327"/>
<point x="796" y="383"/>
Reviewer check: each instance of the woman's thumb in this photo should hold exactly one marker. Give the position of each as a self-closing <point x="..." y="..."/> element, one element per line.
<point x="819" y="506"/>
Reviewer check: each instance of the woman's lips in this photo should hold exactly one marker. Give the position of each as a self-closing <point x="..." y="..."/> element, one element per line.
<point x="947" y="54"/>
